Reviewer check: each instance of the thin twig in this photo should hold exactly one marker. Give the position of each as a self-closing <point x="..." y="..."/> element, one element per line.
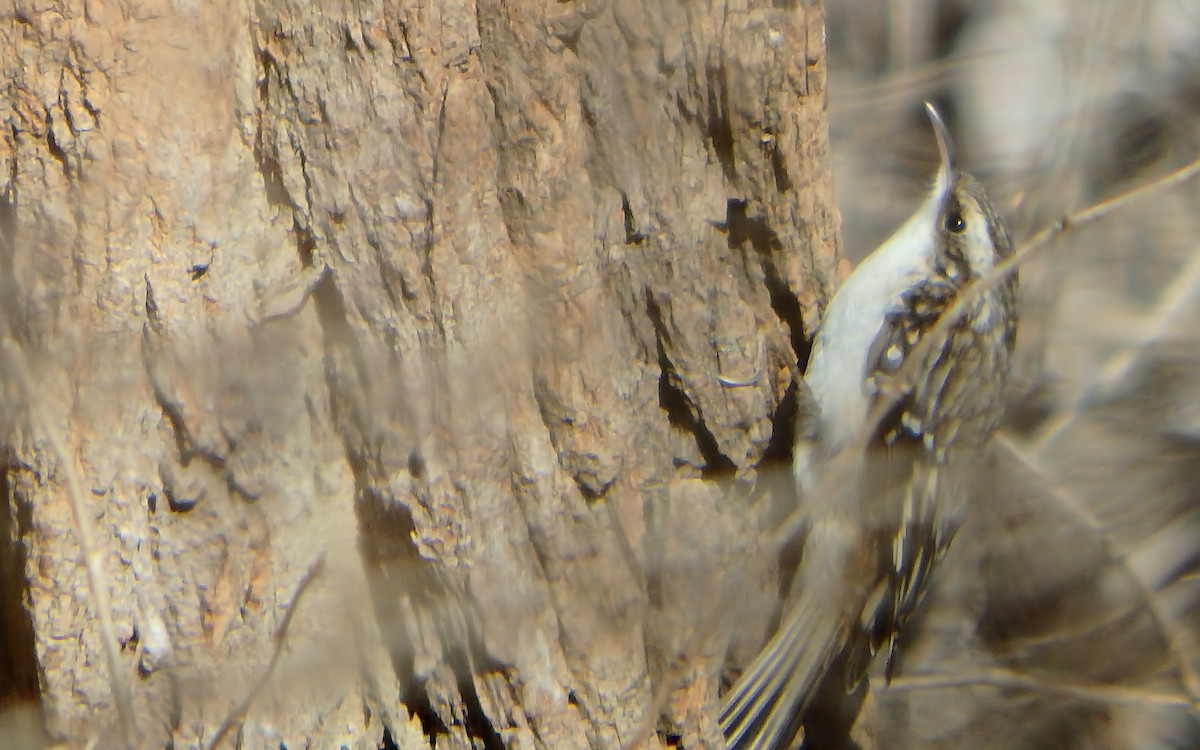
<point x="1174" y="301"/>
<point x="1117" y="553"/>
<point x="1112" y="695"/>
<point x="238" y="714"/>
<point x="93" y="556"/>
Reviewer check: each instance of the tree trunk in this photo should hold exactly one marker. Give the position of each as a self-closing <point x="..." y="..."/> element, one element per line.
<point x="368" y="371"/>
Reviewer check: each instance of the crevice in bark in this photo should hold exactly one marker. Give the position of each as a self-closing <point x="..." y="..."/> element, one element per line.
<point x="264" y="154"/>
<point x="401" y="55"/>
<point x="475" y="719"/>
<point x="783" y="180"/>
<point x="56" y="150"/>
<point x="340" y="339"/>
<point x="778" y="453"/>
<point x="349" y="45"/>
<point x="569" y="37"/>
<point x="388" y="742"/>
<point x="717" y="126"/>
<point x="743" y="228"/>
<point x="272" y="177"/>
<point x="306" y="243"/>
<point x="681" y="411"/>
<point x="267" y="160"/>
<point x="18" y="659"/>
<point x="416" y="699"/>
<point x="591" y="491"/>
<point x="633" y="236"/>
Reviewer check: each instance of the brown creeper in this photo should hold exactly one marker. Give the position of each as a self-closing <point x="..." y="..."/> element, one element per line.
<point x="874" y="536"/>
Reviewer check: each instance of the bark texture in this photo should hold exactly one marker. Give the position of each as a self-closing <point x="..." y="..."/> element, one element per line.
<point x="369" y="356"/>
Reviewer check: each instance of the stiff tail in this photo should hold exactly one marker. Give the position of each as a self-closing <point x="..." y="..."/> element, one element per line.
<point x="765" y="708"/>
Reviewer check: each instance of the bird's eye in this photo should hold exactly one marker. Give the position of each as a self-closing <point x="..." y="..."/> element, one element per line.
<point x="955" y="222"/>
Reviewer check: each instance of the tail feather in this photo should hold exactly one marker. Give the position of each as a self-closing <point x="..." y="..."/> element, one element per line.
<point x="763" y="710"/>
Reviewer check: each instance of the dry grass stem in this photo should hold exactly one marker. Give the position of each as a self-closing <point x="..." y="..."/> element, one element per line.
<point x="1112" y="695"/>
<point x="1172" y="632"/>
<point x="1175" y="300"/>
<point x="85" y="532"/>
<point x="238" y="714"/>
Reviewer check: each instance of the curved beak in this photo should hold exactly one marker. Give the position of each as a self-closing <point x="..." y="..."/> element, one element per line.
<point x="947" y="172"/>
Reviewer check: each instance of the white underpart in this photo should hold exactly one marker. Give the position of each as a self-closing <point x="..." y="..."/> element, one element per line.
<point x="837" y="369"/>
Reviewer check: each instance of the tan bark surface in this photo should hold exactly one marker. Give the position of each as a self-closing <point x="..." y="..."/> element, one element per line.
<point x="401" y="325"/>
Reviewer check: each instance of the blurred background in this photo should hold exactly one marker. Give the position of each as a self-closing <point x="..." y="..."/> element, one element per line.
<point x="1067" y="614"/>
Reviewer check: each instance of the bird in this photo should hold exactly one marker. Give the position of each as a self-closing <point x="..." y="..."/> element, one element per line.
<point x="879" y="519"/>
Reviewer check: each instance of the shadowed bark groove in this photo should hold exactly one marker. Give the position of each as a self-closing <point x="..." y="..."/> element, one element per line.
<point x="18" y="664"/>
